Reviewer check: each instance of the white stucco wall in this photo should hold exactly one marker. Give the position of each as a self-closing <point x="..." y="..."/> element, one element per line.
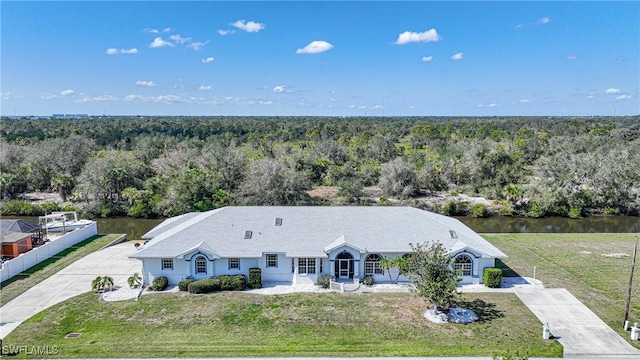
<point x="280" y="273"/>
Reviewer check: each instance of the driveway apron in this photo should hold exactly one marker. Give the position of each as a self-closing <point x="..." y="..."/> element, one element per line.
<point x="577" y="328"/>
<point x="71" y="281"/>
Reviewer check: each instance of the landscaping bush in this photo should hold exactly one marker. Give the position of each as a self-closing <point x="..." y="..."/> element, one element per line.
<point x="203" y="286"/>
<point x="492" y="277"/>
<point x="367" y="280"/>
<point x="255" y="278"/>
<point x="232" y="282"/>
<point x="183" y="284"/>
<point x="324" y="281"/>
<point x="160" y="283"/>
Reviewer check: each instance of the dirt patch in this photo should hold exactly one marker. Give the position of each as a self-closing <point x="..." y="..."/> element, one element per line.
<point x="40" y="197"/>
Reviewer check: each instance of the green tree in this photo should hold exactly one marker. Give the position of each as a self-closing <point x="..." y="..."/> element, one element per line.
<point x="430" y="269"/>
<point x="398" y="178"/>
<point x="63" y="184"/>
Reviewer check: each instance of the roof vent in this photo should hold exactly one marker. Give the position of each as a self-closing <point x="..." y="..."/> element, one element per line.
<point x="247" y="234"/>
<point x="453" y="234"/>
<point x="278" y="221"/>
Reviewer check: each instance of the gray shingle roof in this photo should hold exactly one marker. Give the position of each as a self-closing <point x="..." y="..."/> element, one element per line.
<point x="309" y="231"/>
<point x="18" y="225"/>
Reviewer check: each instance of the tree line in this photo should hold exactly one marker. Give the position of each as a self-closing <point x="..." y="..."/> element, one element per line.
<point x="164" y="166"/>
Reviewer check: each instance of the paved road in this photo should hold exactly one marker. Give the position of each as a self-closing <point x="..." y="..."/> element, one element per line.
<point x="578" y="329"/>
<point x="71" y="281"/>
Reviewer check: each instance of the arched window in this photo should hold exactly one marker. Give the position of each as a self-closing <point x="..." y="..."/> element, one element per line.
<point x="372" y="265"/>
<point x="463" y="264"/>
<point x="201" y="265"/>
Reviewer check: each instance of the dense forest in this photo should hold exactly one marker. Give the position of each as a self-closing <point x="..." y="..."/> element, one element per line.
<point x="164" y="166"/>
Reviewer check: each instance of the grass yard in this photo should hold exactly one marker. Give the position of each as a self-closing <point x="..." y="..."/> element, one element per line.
<point x="593" y="267"/>
<point x="20" y="283"/>
<point x="309" y="324"/>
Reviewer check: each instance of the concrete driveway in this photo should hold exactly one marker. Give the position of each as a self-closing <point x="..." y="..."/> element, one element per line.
<point x="71" y="281"/>
<point x="577" y="328"/>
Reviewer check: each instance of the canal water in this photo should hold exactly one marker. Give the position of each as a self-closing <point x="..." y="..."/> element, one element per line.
<point x="135" y="228"/>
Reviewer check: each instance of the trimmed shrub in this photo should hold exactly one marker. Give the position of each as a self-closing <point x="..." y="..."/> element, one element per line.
<point x="324" y="281"/>
<point x="255" y="278"/>
<point x="183" y="284"/>
<point x="492" y="277"/>
<point x="232" y="282"/>
<point x="160" y="283"/>
<point x="367" y="280"/>
<point x="203" y="286"/>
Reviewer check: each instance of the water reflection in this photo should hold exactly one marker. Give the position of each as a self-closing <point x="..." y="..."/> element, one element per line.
<point x="599" y="224"/>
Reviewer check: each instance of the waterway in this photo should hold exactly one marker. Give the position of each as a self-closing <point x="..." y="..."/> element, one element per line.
<point x="135" y="228"/>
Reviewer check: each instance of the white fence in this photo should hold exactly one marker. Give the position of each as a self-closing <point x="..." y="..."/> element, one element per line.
<point x="24" y="261"/>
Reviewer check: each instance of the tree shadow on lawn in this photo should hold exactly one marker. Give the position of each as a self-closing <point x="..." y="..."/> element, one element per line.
<point x="485" y="311"/>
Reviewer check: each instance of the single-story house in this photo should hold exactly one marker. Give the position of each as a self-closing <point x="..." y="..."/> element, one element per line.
<point x="14" y="243"/>
<point x="296" y="244"/>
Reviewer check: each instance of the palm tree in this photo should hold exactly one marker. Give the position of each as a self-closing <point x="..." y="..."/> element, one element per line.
<point x="386" y="263"/>
<point x="97" y="284"/>
<point x="63" y="183"/>
<point x="107" y="282"/>
<point x="401" y="263"/>
<point x="134" y="281"/>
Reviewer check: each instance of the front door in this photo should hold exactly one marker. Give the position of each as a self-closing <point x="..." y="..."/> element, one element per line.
<point x="344" y="269"/>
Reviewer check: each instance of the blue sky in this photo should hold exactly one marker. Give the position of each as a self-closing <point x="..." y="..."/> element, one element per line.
<point x="320" y="58"/>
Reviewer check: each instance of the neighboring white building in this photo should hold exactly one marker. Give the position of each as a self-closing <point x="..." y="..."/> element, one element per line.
<point x="297" y="243"/>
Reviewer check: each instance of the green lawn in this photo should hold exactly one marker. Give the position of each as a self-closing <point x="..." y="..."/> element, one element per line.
<point x="310" y="324"/>
<point x="584" y="264"/>
<point x="20" y="283"/>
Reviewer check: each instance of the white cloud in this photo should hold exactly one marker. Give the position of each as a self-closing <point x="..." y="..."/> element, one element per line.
<point x="129" y="51"/>
<point x="225" y="32"/>
<point x="48" y="96"/>
<point x="457" y="56"/>
<point x="250" y="26"/>
<point x="280" y="89"/>
<point x="610" y="91"/>
<point x="623" y="97"/>
<point x="315" y="47"/>
<point x="66" y="92"/>
<point x="166" y="30"/>
<point x="591" y="96"/>
<point x="151" y="31"/>
<point x="145" y="83"/>
<point x="9" y="95"/>
<point x="426" y="36"/>
<point x="493" y="105"/>
<point x="427" y="58"/>
<point x="112" y="51"/>
<point x="544" y="20"/>
<point x="158" y="42"/>
<point x="519" y="26"/>
<point x="265" y="102"/>
<point x="179" y="39"/>
<point x="87" y="99"/>
<point x="207" y="60"/>
<point x="523" y="100"/>
<point x="572" y="57"/>
<point x="196" y="45"/>
<point x="204" y="87"/>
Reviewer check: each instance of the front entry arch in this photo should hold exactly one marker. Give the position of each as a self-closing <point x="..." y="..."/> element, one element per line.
<point x="343" y="265"/>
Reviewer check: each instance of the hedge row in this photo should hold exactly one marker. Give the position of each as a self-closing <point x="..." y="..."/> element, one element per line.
<point x="220" y="283"/>
<point x="492" y="277"/>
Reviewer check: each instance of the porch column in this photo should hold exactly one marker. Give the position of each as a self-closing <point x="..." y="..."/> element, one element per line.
<point x="356" y="268"/>
<point x="332" y="267"/>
